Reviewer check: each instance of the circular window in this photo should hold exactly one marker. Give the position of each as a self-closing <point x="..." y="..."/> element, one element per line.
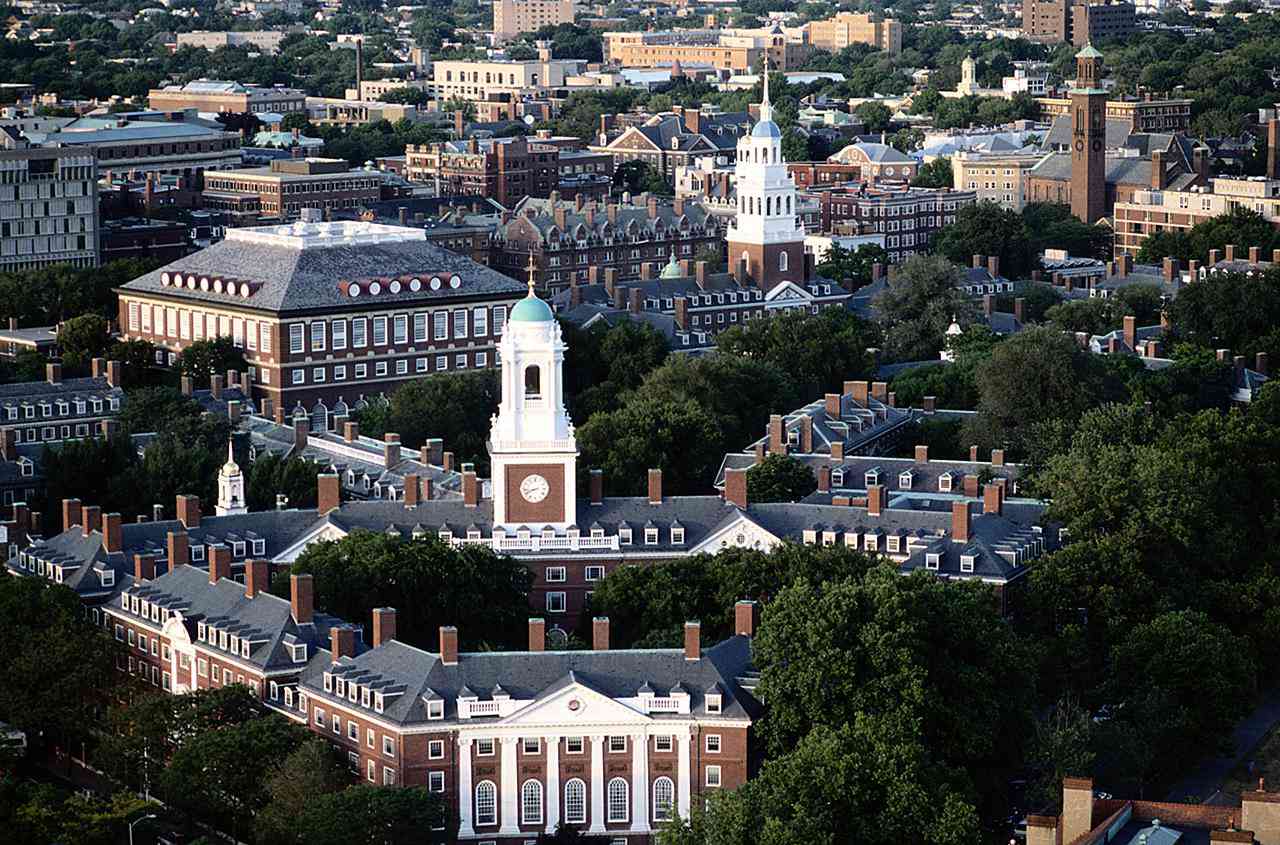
<point x="217" y="285"/>
<point x="435" y="283"/>
<point x="415" y="285"/>
<point x="888" y="171"/>
<point x="394" y="287"/>
<point x="164" y="279"/>
<point x="455" y="281"/>
<point x="191" y="280"/>
<point x="204" y="284"/>
<point x="353" y="291"/>
<point x="244" y="290"/>
<point x="375" y="288"/>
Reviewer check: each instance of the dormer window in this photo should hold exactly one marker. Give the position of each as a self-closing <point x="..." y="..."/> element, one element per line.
<point x="837" y="477"/>
<point x="328" y="682"/>
<point x="259" y="547"/>
<point x="435" y="709"/>
<point x="377" y="703"/>
<point x="966" y="563"/>
<point x="932" y="560"/>
<point x="713" y="702"/>
<point x="651" y="536"/>
<point x="339" y="687"/>
<point x="197" y="553"/>
<point x="944" y="483"/>
<point x="624" y="536"/>
<point x="906" y="479"/>
<point x="677" y="536"/>
<point x="237" y="548"/>
<point x="298" y="652"/>
<point x="244" y="648"/>
<point x="873" y="476"/>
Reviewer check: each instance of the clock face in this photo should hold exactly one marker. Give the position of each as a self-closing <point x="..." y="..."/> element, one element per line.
<point x="534" y="488"/>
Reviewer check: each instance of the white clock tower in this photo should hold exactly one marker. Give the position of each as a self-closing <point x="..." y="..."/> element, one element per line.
<point x="230" y="486"/>
<point x="532" y="446"/>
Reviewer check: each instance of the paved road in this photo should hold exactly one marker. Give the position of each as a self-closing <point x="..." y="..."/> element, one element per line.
<point x="1208" y="777"/>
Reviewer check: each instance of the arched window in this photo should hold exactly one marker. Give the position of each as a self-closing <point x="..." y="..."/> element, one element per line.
<point x="531" y="802"/>
<point x="575" y="802"/>
<point x="618" y="800"/>
<point x="782" y="261"/>
<point x="788" y="204"/>
<point x="486" y="803"/>
<point x="663" y="797"/>
<point x="532" y="381"/>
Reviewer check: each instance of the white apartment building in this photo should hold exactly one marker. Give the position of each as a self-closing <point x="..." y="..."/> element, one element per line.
<point x="48" y="206"/>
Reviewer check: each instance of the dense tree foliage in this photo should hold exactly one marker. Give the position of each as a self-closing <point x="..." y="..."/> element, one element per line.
<point x="922" y="301"/>
<point x="453" y="406"/>
<point x="852" y="267"/>
<point x="428" y="582"/>
<point x="603" y="362"/>
<point x="817" y="352"/>
<point x="779" y="478"/>
<point x="1242" y="227"/>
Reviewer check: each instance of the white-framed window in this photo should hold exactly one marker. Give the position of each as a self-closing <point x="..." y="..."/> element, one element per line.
<point x="484" y="747"/>
<point x="531" y="802"/>
<point x="663" y="798"/>
<point x="296" y="338"/>
<point x="531" y="744"/>
<point x="379" y="331"/>
<point x="440" y="325"/>
<point x="299" y="376"/>
<point x="479" y="321"/>
<point x="460" y="323"/>
<point x="435" y="708"/>
<point x="317" y="336"/>
<point x="555" y="603"/>
<point x="555" y="574"/>
<point x="573" y="745"/>
<point x="339" y="332"/>
<point x="713" y="743"/>
<point x="435" y="749"/>
<point x="713" y="702"/>
<point x="594" y="573"/>
<point x="400" y="328"/>
<point x="486" y="803"/>
<point x="713" y="776"/>
<point x="663" y="743"/>
<point x="499" y="318"/>
<point x="380" y="368"/>
<point x="420" y="327"/>
<point x="575" y="801"/>
<point x="370" y="770"/>
<point x="618" y="795"/>
<point x="359" y="332"/>
<point x="435" y="781"/>
<point x="617" y="744"/>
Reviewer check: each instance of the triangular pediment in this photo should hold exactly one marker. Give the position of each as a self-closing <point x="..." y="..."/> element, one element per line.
<point x="788" y="292"/>
<point x="737" y="531"/>
<point x="573" y="701"/>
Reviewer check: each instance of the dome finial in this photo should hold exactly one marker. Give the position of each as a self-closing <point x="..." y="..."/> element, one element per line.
<point x="766" y="110"/>
<point x="533" y="269"/>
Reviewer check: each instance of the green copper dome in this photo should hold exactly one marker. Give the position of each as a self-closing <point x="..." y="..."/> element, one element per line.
<point x="672" y="270"/>
<point x="532" y="310"/>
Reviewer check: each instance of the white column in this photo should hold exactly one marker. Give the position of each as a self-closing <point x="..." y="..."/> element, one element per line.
<point x="465" y="788"/>
<point x="639" y="783"/>
<point x="597" y="784"/>
<point x="510" y="787"/>
<point x="683" y="776"/>
<point x="552" y="796"/>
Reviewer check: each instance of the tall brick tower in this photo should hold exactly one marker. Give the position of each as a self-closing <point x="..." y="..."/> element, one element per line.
<point x="1088" y="138"/>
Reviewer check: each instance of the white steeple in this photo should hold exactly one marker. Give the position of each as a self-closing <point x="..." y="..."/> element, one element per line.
<point x="230" y="486"/>
<point x="531" y="442"/>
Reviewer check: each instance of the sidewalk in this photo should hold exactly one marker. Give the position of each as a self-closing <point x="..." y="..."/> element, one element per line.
<point x="1204" y="784"/>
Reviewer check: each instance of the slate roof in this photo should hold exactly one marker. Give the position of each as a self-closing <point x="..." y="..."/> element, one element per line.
<point x="852" y="473"/>
<point x="296" y="278"/>
<point x="541" y="213"/>
<point x="67" y="389"/>
<point x="858" y="425"/>
<point x="1123" y="170"/>
<point x="876" y="153"/>
<point x="265" y="620"/>
<point x="529" y="676"/>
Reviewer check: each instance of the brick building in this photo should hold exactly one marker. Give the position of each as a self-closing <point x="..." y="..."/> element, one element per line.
<point x="1077" y="22"/>
<point x="151" y="143"/>
<point x="668" y="142"/>
<point x="282" y="189"/>
<point x="908" y="217"/>
<point x="566" y="239"/>
<point x="876" y="163"/>
<point x="326" y="310"/>
<point x="209" y="95"/>
<point x="504" y="169"/>
<point x="60" y="408"/>
<point x="1145" y="114"/>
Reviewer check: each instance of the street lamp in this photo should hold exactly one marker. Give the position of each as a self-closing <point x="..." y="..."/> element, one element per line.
<point x="135" y="821"/>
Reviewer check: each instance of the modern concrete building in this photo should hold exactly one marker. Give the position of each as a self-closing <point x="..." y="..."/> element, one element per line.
<point x="848" y="28"/>
<point x="48" y="205"/>
<point x="209" y="95"/>
<point x="265" y="41"/>
<point x="1147" y="212"/>
<point x="512" y="18"/>
<point x="478" y="80"/>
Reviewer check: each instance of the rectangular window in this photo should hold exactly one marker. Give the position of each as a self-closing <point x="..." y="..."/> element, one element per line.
<point x="663" y="743"/>
<point x="388" y="746"/>
<point x="400" y="329"/>
<point x="555" y="602"/>
<point x="266" y="338"/>
<point x="420" y="327"/>
<point x="340" y="372"/>
<point x="296" y="338"/>
<point x="435" y="749"/>
<point x="460" y="323"/>
<point x="440" y="325"/>
<point x="713" y="743"/>
<point x="359" y="329"/>
<point x="379" y="331"/>
<point x="369" y="737"/>
<point x="713" y="776"/>
<point x="617" y="744"/>
<point x="479" y="321"/>
<point x="380" y="368"/>
<point x="484" y="747"/>
<point x="435" y="781"/>
<point x="499" y="318"/>
<point x="573" y="745"/>
<point x="339" y="332"/>
<point x="530" y="744"/>
<point x="555" y="574"/>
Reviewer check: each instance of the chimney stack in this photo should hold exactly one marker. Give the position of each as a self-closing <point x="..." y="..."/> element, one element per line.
<point x="600" y="633"/>
<point x="470" y="487"/>
<point x="302" y="598"/>
<point x="144" y="567"/>
<point x="342" y="642"/>
<point x="179" y="553"/>
<point x="92" y="520"/>
<point x="596" y="486"/>
<point x="693" y="641"/>
<point x="746" y="617"/>
<point x="448" y="645"/>
<point x="257" y="577"/>
<point x="187" y="509"/>
<point x="53" y="373"/>
<point x="219" y="562"/>
<point x="735" y="487"/>
<point x="70" y="513"/>
<point x="655" y="486"/>
<point x="993" y="499"/>
<point x="960" y="522"/>
<point x="384" y="625"/>
<point x="328" y="492"/>
<point x="112" y="533"/>
<point x="875" y="499"/>
<point x="351" y="431"/>
<point x="537" y="634"/>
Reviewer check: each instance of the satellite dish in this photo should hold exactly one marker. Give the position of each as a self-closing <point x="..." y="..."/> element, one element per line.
<point x="528" y="120"/>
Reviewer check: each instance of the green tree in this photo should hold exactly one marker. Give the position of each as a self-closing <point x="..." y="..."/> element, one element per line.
<point x="453" y="406"/>
<point x="680" y="437"/>
<point x="987" y="229"/>
<point x="637" y="176"/>
<point x="137" y="360"/>
<point x="1229" y="310"/>
<point x="952" y="385"/>
<point x="934" y="174"/>
<point x="376" y="815"/>
<point x="852" y="267"/>
<point x="312" y="770"/>
<point x="818" y="351"/>
<point x="1062" y="746"/>
<point x="428" y="582"/>
<point x="916" y="310"/>
<point x="271" y="475"/>
<point x="604" y="362"/>
<point x="779" y="478"/>
<point x="205" y="358"/>
<point x="81" y="339"/>
<point x="457" y="104"/>
<point x="874" y="115"/>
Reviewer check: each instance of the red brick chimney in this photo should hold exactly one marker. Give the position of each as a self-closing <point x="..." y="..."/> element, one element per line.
<point x="997" y="457"/>
<point x="411" y="490"/>
<point x="112" y="533"/>
<point x="351" y="431"/>
<point x="470" y="488"/>
<point x="693" y="641"/>
<point x="302" y="598"/>
<point x="53" y="373"/>
<point x="448" y="645"/>
<point x="960" y="522"/>
<point x="342" y="642"/>
<point x="831" y="404"/>
<point x="257" y="577"/>
<point x="391" y="449"/>
<point x="187" y="509"/>
<point x="328" y="492"/>
<point x="735" y="487"/>
<point x="301" y="428"/>
<point x="178" y="552"/>
<point x="384" y="625"/>
<point x="91" y="520"/>
<point x="537" y="634"/>
<point x="219" y="562"/>
<point x="746" y="616"/>
<point x="114" y="378"/>
<point x="144" y="567"/>
<point x="875" y="499"/>
<point x="595" y="484"/>
<point x="215" y="386"/>
<point x="655" y="486"/>
<point x="1131" y="331"/>
<point x="922" y="454"/>
<point x="993" y="499"/>
<point x="824" y="479"/>
<point x="600" y="633"/>
<point x="70" y="513"/>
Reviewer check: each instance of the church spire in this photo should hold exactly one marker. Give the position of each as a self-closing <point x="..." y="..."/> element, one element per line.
<point x="766" y="110"/>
